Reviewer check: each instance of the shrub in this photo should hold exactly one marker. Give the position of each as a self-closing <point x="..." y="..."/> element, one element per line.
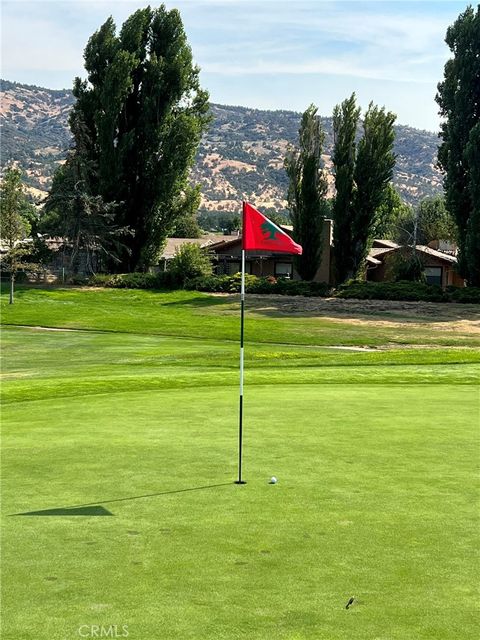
<point x="253" y="284"/>
<point x="466" y="295"/>
<point x="190" y="261"/>
<point x="161" y="280"/>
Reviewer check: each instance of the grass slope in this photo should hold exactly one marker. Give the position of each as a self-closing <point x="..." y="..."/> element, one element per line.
<point x="376" y="454"/>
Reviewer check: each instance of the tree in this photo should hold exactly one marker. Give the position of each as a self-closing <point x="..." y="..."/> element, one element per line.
<point x="472" y="246"/>
<point x="345" y="123"/>
<point x="187" y="225"/>
<point x="14" y="227"/>
<point x="307" y="192"/>
<point x="190" y="261"/>
<point x="434" y="222"/>
<point x="85" y="221"/>
<point x="362" y="175"/>
<point x="459" y="100"/>
<point x="406" y="264"/>
<point x="390" y="215"/>
<point x="145" y="113"/>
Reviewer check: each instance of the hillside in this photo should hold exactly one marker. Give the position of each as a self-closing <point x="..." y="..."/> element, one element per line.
<point x="241" y="157"/>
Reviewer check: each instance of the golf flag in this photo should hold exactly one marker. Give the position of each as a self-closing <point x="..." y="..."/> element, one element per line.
<point x="260" y="233"/>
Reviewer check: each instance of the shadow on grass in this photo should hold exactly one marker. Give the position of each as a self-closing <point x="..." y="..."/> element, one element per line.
<point x="95" y="509"/>
<point x="207" y="301"/>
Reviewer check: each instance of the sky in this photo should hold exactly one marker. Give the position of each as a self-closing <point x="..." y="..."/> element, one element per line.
<point x="266" y="54"/>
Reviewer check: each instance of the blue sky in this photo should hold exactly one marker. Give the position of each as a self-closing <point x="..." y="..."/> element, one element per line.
<point x="268" y="54"/>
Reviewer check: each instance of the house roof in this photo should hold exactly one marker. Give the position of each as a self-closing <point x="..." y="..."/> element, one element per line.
<point x="379" y="243"/>
<point x="227" y="242"/>
<point x="437" y="254"/>
<point x="173" y="244"/>
<point x="377" y="252"/>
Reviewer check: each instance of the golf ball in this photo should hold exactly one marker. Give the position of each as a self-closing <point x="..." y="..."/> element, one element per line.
<point x="273" y="480"/>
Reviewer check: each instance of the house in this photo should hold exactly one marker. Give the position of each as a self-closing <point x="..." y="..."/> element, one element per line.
<point x="173" y="244"/>
<point x="227" y="255"/>
<point x="439" y="266"/>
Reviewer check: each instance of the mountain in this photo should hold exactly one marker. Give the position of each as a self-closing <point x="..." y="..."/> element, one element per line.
<point x="241" y="157"/>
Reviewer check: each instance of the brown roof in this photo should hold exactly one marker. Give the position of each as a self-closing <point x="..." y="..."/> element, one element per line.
<point x="437" y="254"/>
<point x="384" y="244"/>
<point x="379" y="251"/>
<point x="227" y="242"/>
<point x="173" y="244"/>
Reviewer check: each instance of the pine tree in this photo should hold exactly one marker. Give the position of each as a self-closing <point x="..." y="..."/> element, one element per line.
<point x="459" y="156"/>
<point x="307" y="191"/>
<point x="145" y="113"/>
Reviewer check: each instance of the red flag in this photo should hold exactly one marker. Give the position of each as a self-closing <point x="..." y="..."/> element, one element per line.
<point x="262" y="234"/>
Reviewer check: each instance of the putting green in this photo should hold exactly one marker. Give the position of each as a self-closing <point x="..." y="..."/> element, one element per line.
<point x="375" y="499"/>
<point x="120" y="512"/>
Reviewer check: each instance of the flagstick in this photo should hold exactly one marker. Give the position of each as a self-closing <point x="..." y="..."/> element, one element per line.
<point x="240" y="427"/>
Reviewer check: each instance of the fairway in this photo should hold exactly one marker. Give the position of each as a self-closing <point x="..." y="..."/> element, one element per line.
<point x="120" y="450"/>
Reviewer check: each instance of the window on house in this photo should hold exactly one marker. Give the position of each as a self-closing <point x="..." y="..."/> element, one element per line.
<point x="433" y="275"/>
<point x="283" y="269"/>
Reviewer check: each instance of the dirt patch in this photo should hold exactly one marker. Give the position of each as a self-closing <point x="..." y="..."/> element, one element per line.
<point x="389" y="313"/>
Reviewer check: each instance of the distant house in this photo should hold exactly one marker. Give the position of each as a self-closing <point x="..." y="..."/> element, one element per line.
<point x="172" y="245"/>
<point x="439" y="266"/>
<point x="227" y="254"/>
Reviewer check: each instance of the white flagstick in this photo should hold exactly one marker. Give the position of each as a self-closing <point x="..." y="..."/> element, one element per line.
<point x="242" y="316"/>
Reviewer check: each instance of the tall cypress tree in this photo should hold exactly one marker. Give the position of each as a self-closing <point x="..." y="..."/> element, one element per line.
<point x="363" y="171"/>
<point x="345" y="122"/>
<point x="373" y="173"/>
<point x="145" y="113"/>
<point x="459" y="156"/>
<point x="307" y="191"/>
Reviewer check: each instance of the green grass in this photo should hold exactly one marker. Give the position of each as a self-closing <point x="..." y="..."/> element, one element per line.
<point x="376" y="454"/>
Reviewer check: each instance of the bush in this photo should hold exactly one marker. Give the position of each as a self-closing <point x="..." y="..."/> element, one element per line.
<point x="253" y="284"/>
<point x="190" y="261"/>
<point x="415" y="291"/>
<point x="161" y="280"/>
<point x="466" y="295"/>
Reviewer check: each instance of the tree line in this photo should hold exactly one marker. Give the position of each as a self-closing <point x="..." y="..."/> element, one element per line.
<point x="365" y="204"/>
